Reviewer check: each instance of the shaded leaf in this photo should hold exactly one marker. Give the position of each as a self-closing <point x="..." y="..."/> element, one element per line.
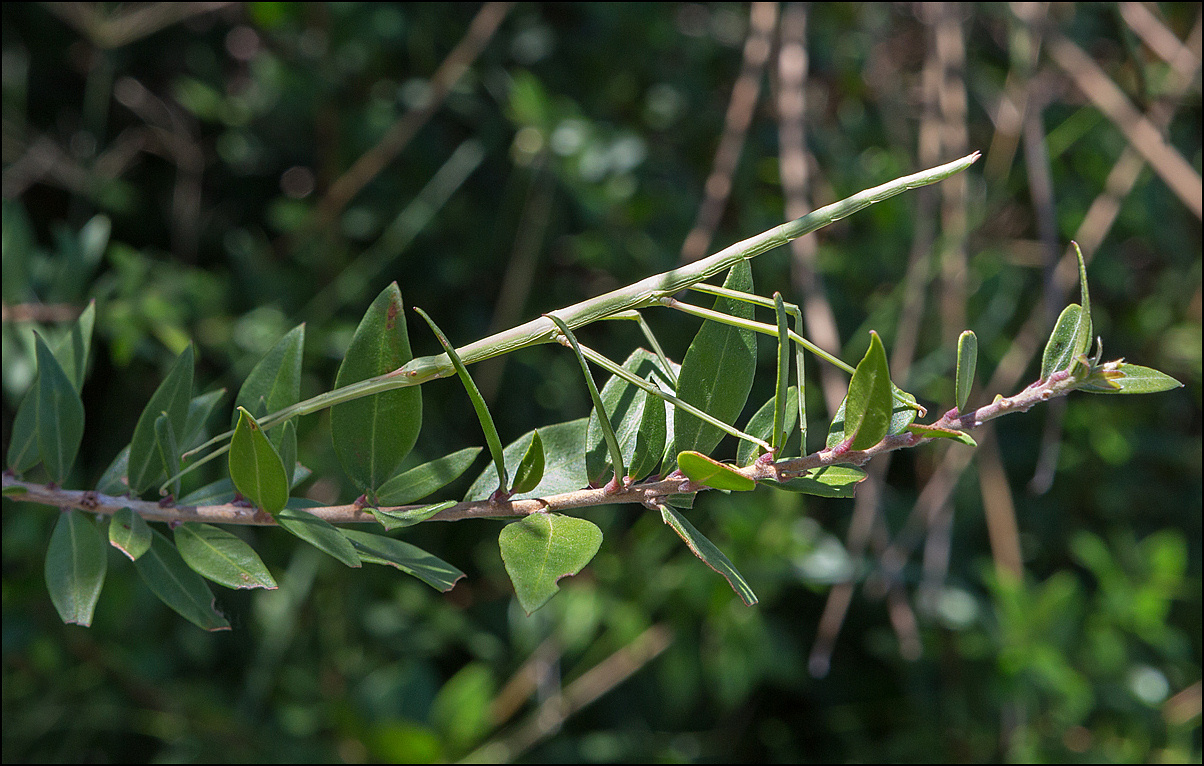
<point x="638" y="419"/>
<point x="60" y="415"/>
<point x="421" y="481"/>
<point x="717" y="371"/>
<point x="275" y="381"/>
<point x="396" y="519"/>
<point x="373" y="434"/>
<point x="702" y="469"/>
<point x="608" y="431"/>
<point x="199" y="409"/>
<point x="72" y="349"/>
<point x="540" y="549"/>
<point x="112" y="481"/>
<point x="761" y="425"/>
<point x="172" y="396"/>
<point x="165" y="573"/>
<point x="710" y="555"/>
<point x="23" y="441"/>
<point x="255" y="467"/>
<point x="221" y="557"/>
<point x="829" y="481"/>
<point x="564" y="467"/>
<point x="129" y="533"/>
<point x="378" y="549"/>
<point x="75" y="567"/>
<point x="319" y="533"/>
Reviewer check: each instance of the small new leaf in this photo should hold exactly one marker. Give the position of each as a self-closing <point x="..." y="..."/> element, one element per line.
<point x="967" y="360"/>
<point x="1060" y="349"/>
<point x="1122" y="378"/>
<point x="530" y="469"/>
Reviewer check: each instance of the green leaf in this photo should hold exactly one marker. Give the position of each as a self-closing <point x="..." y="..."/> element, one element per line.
<point x="172" y="396"/>
<point x="419" y="482"/>
<point x="112" y="481"/>
<point x="129" y="533"/>
<point x="935" y="432"/>
<point x="868" y="405"/>
<point x="638" y="419"/>
<point x="319" y="533"/>
<point x="255" y="467"/>
<point x="564" y="468"/>
<point x="717" y="371"/>
<point x="199" y="409"/>
<point x="23" y="442"/>
<point x="169" y="449"/>
<point x="393" y="519"/>
<point x="761" y="425"/>
<point x="60" y="415"/>
<point x="275" y="381"/>
<point x="829" y="481"/>
<point x="373" y="434"/>
<point x="165" y="573"/>
<point x="72" y="349"/>
<point x="710" y="555"/>
<point x="780" y="429"/>
<point x="711" y="473"/>
<point x="1122" y="378"/>
<point x="75" y="567"/>
<point x="530" y="470"/>
<point x="1060" y="350"/>
<point x="967" y="360"/>
<point x="478" y="402"/>
<point x="542" y="548"/>
<point x="378" y="549"/>
<point x="1084" y="329"/>
<point x="612" y="442"/>
<point x="221" y="557"/>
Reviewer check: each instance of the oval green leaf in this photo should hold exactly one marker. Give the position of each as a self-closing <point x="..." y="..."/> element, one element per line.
<point x="829" y="481"/>
<point x="275" y="381"/>
<point x="75" y="567"/>
<point x="60" y="415"/>
<point x="717" y="371"/>
<point x="542" y="548"/>
<point x="255" y="467"/>
<point x="129" y="533"/>
<point x="967" y="360"/>
<point x="396" y="519"/>
<point x="564" y="467"/>
<point x="373" y="434"/>
<point x="165" y="573"/>
<point x="172" y="396"/>
<point x="868" y="405"/>
<point x="711" y="473"/>
<point x="1125" y="378"/>
<point x="378" y="549"/>
<point x="530" y="469"/>
<point x="1060" y="350"/>
<point x="221" y="557"/>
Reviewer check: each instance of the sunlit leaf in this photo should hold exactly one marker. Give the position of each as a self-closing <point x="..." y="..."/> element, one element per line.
<point x="542" y="548"/>
<point x="221" y="557"/>
<point x="75" y="567"/>
<point x="967" y="360"/>
<point x="868" y="405"/>
<point x="704" y="549"/>
<point x="1060" y="348"/>
<point x="711" y="473"/>
<point x="255" y="467"/>
<point x="1123" y="378"/>
<point x="373" y="434"/>
<point x="165" y="573"/>
<point x="935" y="432"/>
<point x="378" y="549"/>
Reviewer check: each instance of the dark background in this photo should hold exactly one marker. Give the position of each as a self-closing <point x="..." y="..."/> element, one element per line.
<point x="570" y="158"/>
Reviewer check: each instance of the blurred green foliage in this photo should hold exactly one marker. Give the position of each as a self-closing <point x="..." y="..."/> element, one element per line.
<point x="175" y="173"/>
